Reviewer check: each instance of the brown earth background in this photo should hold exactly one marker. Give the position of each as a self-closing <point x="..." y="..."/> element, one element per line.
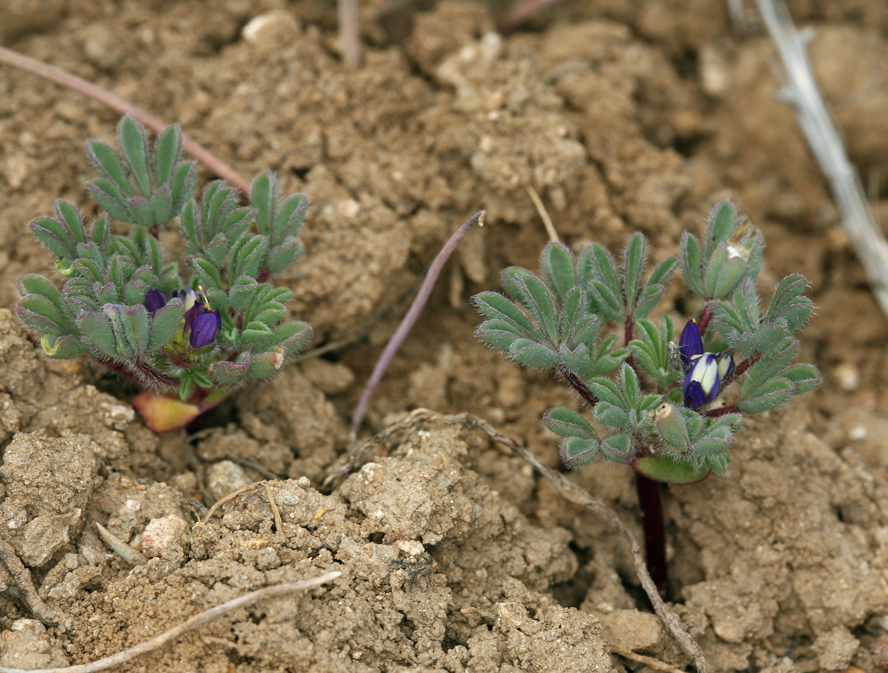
<point x="456" y="557"/>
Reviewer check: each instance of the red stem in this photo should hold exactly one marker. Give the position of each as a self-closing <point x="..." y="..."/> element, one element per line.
<point x="654" y="533"/>
<point x="577" y="384"/>
<point x="722" y="411"/>
<point x="628" y="330"/>
<point x="740" y="369"/>
<point x="148" y="374"/>
<point x="705" y="318"/>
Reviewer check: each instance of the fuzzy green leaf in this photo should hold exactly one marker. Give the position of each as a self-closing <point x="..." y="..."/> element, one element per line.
<point x="62" y="348"/>
<point x="557" y="264"/>
<point x="134" y="146"/>
<point x="168" y="153"/>
<point x="617" y="448"/>
<point x="291" y="336"/>
<point x="136" y="327"/>
<point x="533" y="354"/>
<point x="32" y="284"/>
<point x="577" y="451"/>
<point x="804" y="378"/>
<point x="97" y="328"/>
<point x="107" y="164"/>
<point x="568" y="423"/>
<point x="690" y="263"/>
<point x="720" y="226"/>
<point x="772" y="394"/>
<point x="633" y="268"/>
<point x="495" y="305"/>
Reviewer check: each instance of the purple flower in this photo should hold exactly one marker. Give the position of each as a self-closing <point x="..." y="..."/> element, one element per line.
<point x="690" y="343"/>
<point x="702" y="380"/>
<point x="205" y="328"/>
<point x="155" y="300"/>
<point x="201" y="324"/>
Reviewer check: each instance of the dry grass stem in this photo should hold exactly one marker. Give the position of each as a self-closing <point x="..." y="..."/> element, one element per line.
<point x="391" y="348"/>
<point x="544" y="214"/>
<point x="193" y="623"/>
<point x="213" y="163"/>
<point x="802" y="91"/>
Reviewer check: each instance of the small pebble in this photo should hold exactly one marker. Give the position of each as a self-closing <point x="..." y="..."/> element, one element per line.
<point x="847" y="377"/>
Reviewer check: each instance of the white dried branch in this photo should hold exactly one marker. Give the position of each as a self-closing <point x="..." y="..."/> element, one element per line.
<point x="801" y="90"/>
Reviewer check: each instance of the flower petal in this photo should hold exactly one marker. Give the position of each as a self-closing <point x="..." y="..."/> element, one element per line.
<point x="690" y="343"/>
<point x="205" y="328"/>
<point x="155" y="300"/>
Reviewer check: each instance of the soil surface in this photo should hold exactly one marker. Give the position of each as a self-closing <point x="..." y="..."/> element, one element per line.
<point x="455" y="556"/>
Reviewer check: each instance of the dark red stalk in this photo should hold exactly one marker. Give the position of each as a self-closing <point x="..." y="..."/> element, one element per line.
<point x="654" y="534"/>
<point x="722" y="411"/>
<point x="577" y="384"/>
<point x="628" y="335"/>
<point x="746" y="364"/>
<point x="143" y="373"/>
<point x="705" y="318"/>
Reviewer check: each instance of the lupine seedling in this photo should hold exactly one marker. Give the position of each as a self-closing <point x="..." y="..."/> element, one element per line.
<point x="667" y="404"/>
<point x="189" y="343"/>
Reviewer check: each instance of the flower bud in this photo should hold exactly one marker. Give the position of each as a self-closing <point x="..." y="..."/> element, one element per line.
<point x="702" y="381"/>
<point x="672" y="426"/>
<point x="690" y="343"/>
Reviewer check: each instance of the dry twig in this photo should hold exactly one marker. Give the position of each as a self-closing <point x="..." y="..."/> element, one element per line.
<point x="132" y="556"/>
<point x="349" y="32"/>
<point x="408" y="321"/>
<point x="544" y="214"/>
<point x="801" y="90"/>
<point x="213" y="163"/>
<point x="193" y="623"/>
<point x="278" y="523"/>
<point x="656" y="664"/>
<point x="231" y="496"/>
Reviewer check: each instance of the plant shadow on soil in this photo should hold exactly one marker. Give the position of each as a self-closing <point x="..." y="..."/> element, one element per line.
<point x="455" y="556"/>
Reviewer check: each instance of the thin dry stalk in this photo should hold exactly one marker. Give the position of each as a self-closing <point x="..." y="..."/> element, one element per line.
<point x="213" y="163"/>
<point x="656" y="664"/>
<point x="278" y="523"/>
<point x="544" y="214"/>
<point x="408" y="321"/>
<point x="349" y="32"/>
<point x="132" y="556"/>
<point x="228" y="498"/>
<point x="816" y="123"/>
<point x="184" y="627"/>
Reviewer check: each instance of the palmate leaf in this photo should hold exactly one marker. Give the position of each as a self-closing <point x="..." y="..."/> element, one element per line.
<point x="622" y="404"/>
<point x="651" y="351"/>
<point x="623" y="295"/>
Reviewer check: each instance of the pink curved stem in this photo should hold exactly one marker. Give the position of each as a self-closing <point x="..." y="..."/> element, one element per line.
<point x="213" y="163"/>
